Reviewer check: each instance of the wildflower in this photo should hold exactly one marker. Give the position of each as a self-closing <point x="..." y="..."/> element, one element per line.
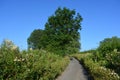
<point x="23" y="59"/>
<point x="14" y="47"/>
<point x="15" y="59"/>
<point x="31" y="49"/>
<point x="103" y="68"/>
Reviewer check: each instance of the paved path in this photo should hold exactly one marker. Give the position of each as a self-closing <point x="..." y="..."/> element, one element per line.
<point x="74" y="71"/>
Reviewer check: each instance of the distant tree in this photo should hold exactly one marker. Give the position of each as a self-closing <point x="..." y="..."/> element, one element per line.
<point x="62" y="31"/>
<point x="35" y="39"/>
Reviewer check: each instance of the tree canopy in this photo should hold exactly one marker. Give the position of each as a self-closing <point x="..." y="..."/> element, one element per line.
<point x="35" y="39"/>
<point x="109" y="44"/>
<point x="61" y="33"/>
<point x="62" y="30"/>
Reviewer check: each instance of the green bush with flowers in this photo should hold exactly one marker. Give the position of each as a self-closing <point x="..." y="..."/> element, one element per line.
<point x="95" y="69"/>
<point x="29" y="65"/>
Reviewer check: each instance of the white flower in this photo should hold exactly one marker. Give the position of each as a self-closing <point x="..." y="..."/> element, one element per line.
<point x="15" y="59"/>
<point x="23" y="59"/>
<point x="31" y="49"/>
<point x="14" y="47"/>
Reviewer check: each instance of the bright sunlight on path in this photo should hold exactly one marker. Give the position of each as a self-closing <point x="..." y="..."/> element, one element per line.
<point x="74" y="71"/>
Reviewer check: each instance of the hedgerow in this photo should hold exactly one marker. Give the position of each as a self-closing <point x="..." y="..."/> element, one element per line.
<point x="30" y="65"/>
<point x="97" y="71"/>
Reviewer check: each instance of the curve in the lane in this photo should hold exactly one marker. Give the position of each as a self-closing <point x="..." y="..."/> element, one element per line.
<point x="74" y="71"/>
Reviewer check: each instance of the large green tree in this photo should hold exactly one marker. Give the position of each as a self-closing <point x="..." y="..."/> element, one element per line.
<point x="35" y="39"/>
<point x="62" y="31"/>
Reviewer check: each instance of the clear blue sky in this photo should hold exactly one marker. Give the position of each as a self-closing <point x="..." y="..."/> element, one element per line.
<point x="18" y="18"/>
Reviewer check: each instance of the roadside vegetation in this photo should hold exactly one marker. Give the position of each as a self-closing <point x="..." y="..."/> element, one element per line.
<point x="103" y="63"/>
<point x="29" y="65"/>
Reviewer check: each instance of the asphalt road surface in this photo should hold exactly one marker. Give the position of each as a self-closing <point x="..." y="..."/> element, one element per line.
<point x="74" y="71"/>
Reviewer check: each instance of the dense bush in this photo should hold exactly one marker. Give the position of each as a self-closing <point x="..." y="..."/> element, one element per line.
<point x="97" y="71"/>
<point x="108" y="54"/>
<point x="108" y="45"/>
<point x="30" y="65"/>
<point x="113" y="61"/>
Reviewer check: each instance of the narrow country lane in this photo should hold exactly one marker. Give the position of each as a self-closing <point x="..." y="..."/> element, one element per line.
<point x="74" y="71"/>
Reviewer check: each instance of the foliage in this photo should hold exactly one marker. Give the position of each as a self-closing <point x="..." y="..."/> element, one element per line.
<point x="62" y="30"/>
<point x="108" y="54"/>
<point x="108" y="45"/>
<point x="61" y="34"/>
<point x="30" y="65"/>
<point x="35" y="39"/>
<point x="8" y="51"/>
<point x="89" y="51"/>
<point x="113" y="61"/>
<point x="97" y="71"/>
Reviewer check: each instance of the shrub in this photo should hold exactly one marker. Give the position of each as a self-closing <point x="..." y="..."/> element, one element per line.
<point x="113" y="60"/>
<point x="100" y="72"/>
<point x="30" y="65"/>
<point x="97" y="71"/>
<point x="108" y="45"/>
